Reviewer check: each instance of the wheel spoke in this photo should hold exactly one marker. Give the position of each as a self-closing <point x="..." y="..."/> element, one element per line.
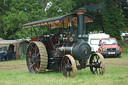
<point x="37" y="60"/>
<point x="69" y="73"/>
<point x="99" y="71"/>
<point x="63" y="67"/>
<point x="37" y="54"/>
<point x="32" y="47"/>
<point x="31" y="65"/>
<point x="35" y="49"/>
<point x="98" y="58"/>
<point x="94" y="60"/>
<point x="35" y="68"/>
<point x="100" y="67"/>
<point x="38" y="66"/>
<point x="66" y="73"/>
<point x="28" y="55"/>
<point x="96" y="71"/>
<point x="68" y="61"/>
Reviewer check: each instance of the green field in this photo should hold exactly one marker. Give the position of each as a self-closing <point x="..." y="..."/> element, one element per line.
<point x="15" y="73"/>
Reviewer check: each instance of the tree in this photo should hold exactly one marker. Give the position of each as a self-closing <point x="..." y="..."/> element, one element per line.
<point x="59" y="7"/>
<point x="15" y="13"/>
<point x="23" y="11"/>
<point x="84" y="3"/>
<point x="4" y="5"/>
<point x="113" y="19"/>
<point x="20" y="12"/>
<point x="123" y="5"/>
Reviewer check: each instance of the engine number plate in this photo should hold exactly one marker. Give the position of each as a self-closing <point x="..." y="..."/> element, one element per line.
<point x="111" y="52"/>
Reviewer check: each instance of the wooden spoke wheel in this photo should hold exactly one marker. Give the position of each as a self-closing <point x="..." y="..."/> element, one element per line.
<point x="68" y="66"/>
<point x="97" y="64"/>
<point x="36" y="57"/>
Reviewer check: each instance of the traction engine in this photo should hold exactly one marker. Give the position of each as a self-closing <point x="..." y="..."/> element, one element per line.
<point x="66" y="50"/>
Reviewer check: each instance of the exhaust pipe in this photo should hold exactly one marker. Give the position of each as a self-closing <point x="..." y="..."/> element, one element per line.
<point x="80" y="21"/>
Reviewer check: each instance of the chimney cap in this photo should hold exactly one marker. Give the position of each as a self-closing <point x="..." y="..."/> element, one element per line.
<point x="80" y="11"/>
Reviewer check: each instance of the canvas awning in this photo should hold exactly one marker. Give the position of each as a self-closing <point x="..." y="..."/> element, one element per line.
<point x="60" y="21"/>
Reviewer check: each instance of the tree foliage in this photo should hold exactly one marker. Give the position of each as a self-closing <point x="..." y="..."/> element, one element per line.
<point x="113" y="19"/>
<point x="124" y="7"/>
<point x="59" y="7"/>
<point x="20" y="12"/>
<point x="110" y="15"/>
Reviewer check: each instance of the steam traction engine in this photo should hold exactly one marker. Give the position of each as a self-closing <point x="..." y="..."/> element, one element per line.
<point x="65" y="50"/>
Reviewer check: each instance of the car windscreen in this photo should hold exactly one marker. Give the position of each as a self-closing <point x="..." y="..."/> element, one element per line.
<point x="108" y="41"/>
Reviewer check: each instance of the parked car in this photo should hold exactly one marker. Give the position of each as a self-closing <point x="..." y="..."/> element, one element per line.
<point x="93" y="40"/>
<point x="109" y="47"/>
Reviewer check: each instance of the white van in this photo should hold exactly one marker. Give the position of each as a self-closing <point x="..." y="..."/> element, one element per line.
<point x="93" y="40"/>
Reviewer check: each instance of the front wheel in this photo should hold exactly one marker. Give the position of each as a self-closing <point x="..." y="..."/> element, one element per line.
<point x="97" y="65"/>
<point x="68" y="66"/>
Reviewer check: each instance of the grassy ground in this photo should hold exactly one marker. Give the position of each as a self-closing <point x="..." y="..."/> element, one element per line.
<point x="15" y="73"/>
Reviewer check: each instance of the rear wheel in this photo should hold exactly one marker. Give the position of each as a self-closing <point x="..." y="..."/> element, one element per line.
<point x="36" y="57"/>
<point x="68" y="66"/>
<point x="97" y="65"/>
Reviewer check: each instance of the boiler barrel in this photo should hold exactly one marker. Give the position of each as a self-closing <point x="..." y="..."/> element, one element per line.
<point x="78" y="50"/>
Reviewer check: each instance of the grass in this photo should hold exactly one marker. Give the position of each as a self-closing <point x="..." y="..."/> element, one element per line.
<point x="15" y="73"/>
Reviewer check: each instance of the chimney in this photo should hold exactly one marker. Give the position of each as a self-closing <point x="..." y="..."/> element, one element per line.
<point x="80" y="21"/>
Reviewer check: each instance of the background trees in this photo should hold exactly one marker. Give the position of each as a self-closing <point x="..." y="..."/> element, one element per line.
<point x="110" y="15"/>
<point x="113" y="19"/>
<point x="17" y="13"/>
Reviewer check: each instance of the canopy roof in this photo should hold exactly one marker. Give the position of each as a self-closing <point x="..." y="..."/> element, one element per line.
<point x="7" y="42"/>
<point x="60" y="21"/>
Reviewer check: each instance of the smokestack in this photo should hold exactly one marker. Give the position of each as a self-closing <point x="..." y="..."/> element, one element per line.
<point x="80" y="21"/>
